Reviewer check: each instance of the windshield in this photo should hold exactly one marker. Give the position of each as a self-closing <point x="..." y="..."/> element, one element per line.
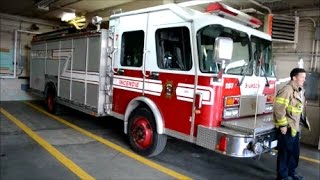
<point x="262" y="53"/>
<point x="241" y="51"/>
<point x="242" y="62"/>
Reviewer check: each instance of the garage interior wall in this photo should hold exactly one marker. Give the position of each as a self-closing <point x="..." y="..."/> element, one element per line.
<point x="14" y="88"/>
<point x="287" y="56"/>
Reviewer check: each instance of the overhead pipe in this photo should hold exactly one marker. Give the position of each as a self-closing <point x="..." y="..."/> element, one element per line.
<point x="262" y="6"/>
<point x="251" y="10"/>
<point x="313" y="56"/>
<point x="268" y="17"/>
<point x="29" y="20"/>
<point x="316" y="54"/>
<point x="55" y="8"/>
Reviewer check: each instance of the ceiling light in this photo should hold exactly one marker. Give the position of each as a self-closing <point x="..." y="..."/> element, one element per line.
<point x="67" y="16"/>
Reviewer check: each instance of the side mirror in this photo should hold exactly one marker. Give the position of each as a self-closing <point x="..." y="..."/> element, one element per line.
<point x="223" y="50"/>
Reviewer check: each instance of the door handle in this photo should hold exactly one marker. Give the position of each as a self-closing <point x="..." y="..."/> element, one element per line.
<point x="120" y="71"/>
<point x="198" y="100"/>
<point x="113" y="60"/>
<point x="154" y="75"/>
<point x="144" y="63"/>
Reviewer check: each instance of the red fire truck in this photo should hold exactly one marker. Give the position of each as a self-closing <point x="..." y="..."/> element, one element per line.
<point x="203" y="77"/>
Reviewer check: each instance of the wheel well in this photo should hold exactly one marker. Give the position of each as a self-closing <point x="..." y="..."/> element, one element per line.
<point x="50" y="87"/>
<point x="140" y="102"/>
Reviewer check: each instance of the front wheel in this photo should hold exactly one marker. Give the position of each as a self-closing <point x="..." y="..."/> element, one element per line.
<point x="143" y="135"/>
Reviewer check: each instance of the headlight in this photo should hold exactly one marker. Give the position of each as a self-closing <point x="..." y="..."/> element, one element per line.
<point x="270" y="98"/>
<point x="257" y="148"/>
<point x="230" y="113"/>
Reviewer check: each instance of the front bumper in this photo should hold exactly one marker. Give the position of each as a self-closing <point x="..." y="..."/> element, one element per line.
<point x="242" y="138"/>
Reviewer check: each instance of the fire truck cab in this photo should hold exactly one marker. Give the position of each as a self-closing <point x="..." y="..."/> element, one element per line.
<point x="203" y="77"/>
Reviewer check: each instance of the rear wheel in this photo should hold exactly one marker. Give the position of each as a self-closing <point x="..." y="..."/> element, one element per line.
<point x="51" y="104"/>
<point x="143" y="135"/>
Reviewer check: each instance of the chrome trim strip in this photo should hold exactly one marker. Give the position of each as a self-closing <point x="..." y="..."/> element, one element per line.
<point x="179" y="135"/>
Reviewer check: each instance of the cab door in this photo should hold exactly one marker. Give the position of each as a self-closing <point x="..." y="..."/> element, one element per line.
<point x="128" y="78"/>
<point x="170" y="80"/>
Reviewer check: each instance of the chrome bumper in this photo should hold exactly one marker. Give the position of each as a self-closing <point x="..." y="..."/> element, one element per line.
<point x="243" y="138"/>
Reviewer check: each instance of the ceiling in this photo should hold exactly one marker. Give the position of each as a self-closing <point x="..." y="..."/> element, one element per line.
<point x="53" y="9"/>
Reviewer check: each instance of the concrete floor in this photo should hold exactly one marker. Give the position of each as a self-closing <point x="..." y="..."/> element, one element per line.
<point x="23" y="158"/>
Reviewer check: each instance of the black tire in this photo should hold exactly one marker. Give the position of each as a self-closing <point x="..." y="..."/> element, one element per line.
<point x="143" y="135"/>
<point x="51" y="103"/>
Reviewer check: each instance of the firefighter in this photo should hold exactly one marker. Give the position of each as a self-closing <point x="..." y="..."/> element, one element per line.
<point x="288" y="109"/>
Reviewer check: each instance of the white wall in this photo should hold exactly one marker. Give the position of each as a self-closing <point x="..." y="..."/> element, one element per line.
<point x="11" y="90"/>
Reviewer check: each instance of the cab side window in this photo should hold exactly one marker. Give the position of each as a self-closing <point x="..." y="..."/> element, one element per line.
<point x="173" y="48"/>
<point x="132" y="48"/>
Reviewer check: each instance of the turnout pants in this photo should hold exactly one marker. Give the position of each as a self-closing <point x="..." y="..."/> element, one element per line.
<point x="288" y="154"/>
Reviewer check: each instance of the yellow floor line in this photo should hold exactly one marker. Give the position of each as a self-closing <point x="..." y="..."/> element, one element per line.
<point x="310" y="159"/>
<point x="114" y="146"/>
<point x="305" y="158"/>
<point x="52" y="150"/>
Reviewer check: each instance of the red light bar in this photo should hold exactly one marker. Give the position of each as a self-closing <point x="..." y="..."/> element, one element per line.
<point x="231" y="13"/>
<point x="218" y="7"/>
<point x="256" y="21"/>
